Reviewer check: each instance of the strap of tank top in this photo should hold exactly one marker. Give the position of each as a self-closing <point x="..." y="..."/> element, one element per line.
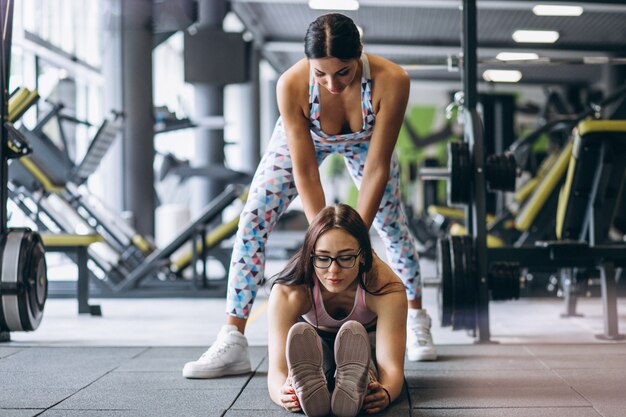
<point x="361" y="292"/>
<point x="366" y="67"/>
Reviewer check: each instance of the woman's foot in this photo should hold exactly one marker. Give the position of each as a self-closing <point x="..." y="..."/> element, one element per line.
<point x="419" y="341"/>
<point x="304" y="359"/>
<point x="352" y="355"/>
<point x="227" y="356"/>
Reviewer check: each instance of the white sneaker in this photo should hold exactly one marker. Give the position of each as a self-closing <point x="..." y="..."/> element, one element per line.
<point x="419" y="341"/>
<point x="227" y="356"/>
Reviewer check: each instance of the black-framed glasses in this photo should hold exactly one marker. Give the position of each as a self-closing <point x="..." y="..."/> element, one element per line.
<point x="343" y="261"/>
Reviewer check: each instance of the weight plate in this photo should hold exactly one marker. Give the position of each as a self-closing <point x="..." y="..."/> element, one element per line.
<point x="24" y="270"/>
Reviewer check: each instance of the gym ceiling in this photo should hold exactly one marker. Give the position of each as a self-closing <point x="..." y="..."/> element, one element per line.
<point x="425" y="36"/>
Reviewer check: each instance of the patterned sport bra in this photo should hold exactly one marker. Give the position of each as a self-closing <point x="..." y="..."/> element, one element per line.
<point x="366" y="107"/>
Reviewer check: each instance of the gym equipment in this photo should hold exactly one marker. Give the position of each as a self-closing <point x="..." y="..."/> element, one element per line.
<point x="45" y="186"/>
<point x="23" y="279"/>
<point x="76" y="245"/>
<point x="23" y="284"/>
<point x="500" y="173"/>
<point x="197" y="227"/>
<point x="595" y="176"/>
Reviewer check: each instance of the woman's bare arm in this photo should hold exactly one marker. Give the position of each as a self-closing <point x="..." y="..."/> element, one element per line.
<point x="395" y="84"/>
<point x="285" y="305"/>
<point x="391" y="309"/>
<point x="292" y="93"/>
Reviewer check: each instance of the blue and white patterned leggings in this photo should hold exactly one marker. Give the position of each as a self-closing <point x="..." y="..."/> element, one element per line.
<point x="273" y="189"/>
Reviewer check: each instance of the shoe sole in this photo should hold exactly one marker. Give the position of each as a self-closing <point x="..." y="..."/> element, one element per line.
<point x="352" y="347"/>
<point x="234" y="369"/>
<point x="304" y="346"/>
<point x="422" y="357"/>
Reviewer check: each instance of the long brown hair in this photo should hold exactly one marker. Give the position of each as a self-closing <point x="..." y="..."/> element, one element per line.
<point x="300" y="270"/>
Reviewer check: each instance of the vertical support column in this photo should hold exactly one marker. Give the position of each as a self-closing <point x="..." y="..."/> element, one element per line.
<point x="113" y="163"/>
<point x="6" y="21"/>
<point x="270" y="109"/>
<point x="251" y="129"/>
<point x="138" y="108"/>
<point x="209" y="101"/>
<point x="473" y="135"/>
<point x="6" y="31"/>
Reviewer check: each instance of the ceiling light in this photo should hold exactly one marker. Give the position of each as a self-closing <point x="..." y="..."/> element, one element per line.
<point x="502" y="76"/>
<point x="535" y="36"/>
<point x="557" y="10"/>
<point x="334" y="4"/>
<point x="516" y="56"/>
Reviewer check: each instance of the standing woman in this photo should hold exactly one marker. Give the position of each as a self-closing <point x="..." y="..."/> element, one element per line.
<point x="336" y="321"/>
<point x="337" y="100"/>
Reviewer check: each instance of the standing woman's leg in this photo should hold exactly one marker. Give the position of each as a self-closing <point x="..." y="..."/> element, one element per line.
<point x="401" y="250"/>
<point x="271" y="191"/>
<point x="391" y="224"/>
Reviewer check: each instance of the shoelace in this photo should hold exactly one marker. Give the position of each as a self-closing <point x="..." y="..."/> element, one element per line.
<point x="421" y="333"/>
<point x="216" y="350"/>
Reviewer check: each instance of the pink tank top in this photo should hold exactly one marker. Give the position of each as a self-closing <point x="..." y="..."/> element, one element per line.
<point x="359" y="312"/>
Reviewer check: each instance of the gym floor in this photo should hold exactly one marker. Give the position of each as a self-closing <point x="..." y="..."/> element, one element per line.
<point x="128" y="363"/>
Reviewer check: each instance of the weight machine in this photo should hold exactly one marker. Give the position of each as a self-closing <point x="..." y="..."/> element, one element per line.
<point x="23" y="279"/>
<point x="471" y="273"/>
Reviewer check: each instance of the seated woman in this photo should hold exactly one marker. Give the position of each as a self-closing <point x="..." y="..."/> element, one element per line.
<point x="332" y="302"/>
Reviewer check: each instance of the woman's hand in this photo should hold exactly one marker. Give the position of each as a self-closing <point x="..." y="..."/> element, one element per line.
<point x="288" y="397"/>
<point x="376" y="400"/>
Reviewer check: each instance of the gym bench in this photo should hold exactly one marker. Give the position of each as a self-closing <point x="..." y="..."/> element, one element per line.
<point x="79" y="246"/>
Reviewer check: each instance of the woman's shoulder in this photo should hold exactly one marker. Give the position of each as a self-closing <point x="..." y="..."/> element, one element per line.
<point x="382" y="280"/>
<point x="298" y="296"/>
<point x="296" y="77"/>
<point x="384" y="71"/>
<point x="388" y="292"/>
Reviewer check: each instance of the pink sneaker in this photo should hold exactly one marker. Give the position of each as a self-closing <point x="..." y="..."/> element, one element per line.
<point x="352" y="355"/>
<point x="304" y="359"/>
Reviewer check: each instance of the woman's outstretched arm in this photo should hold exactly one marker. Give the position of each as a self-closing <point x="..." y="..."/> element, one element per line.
<point x="285" y="305"/>
<point x="391" y="309"/>
<point x="395" y="83"/>
<point x="290" y="92"/>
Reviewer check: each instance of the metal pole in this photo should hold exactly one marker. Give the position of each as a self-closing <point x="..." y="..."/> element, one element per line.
<point x="473" y="135"/>
<point x="138" y="107"/>
<point x="209" y="101"/>
<point x="250" y="106"/>
<point x="6" y="29"/>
